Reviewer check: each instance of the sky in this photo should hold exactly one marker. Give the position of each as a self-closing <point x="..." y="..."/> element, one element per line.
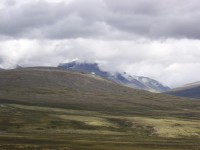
<point x="153" y="38"/>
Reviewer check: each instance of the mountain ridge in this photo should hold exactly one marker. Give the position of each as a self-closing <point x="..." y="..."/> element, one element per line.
<point x="137" y="82"/>
<point x="190" y="90"/>
<point x="42" y="83"/>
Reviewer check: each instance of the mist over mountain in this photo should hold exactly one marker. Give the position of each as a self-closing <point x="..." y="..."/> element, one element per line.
<point x="137" y="82"/>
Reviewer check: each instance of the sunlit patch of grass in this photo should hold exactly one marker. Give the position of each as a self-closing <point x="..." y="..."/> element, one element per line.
<point x="171" y="127"/>
<point x="24" y="127"/>
<point x="93" y="121"/>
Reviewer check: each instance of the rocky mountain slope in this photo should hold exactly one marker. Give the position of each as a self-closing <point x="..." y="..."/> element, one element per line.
<point x="137" y="82"/>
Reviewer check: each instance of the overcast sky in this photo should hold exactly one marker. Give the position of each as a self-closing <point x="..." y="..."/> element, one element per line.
<point x="154" y="38"/>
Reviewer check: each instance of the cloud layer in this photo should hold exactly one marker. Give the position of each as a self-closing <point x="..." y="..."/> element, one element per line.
<point x="100" y="18"/>
<point x="158" y="39"/>
<point x="172" y="62"/>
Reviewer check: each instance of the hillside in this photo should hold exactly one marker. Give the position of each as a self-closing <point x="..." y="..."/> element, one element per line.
<point x="191" y="90"/>
<point x="54" y="85"/>
<point x="51" y="108"/>
<point x="136" y="82"/>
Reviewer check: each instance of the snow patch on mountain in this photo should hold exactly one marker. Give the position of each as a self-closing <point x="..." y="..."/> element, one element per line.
<point x="137" y="82"/>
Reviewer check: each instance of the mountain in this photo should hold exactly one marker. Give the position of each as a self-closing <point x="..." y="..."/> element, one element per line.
<point x="53" y="108"/>
<point x="41" y="85"/>
<point x="18" y="66"/>
<point x="191" y="90"/>
<point x="137" y="82"/>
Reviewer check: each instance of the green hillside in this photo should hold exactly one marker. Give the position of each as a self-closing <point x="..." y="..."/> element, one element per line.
<point x="50" y="108"/>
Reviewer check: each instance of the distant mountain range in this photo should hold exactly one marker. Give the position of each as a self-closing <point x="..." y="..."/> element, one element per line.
<point x="137" y="82"/>
<point x="191" y="90"/>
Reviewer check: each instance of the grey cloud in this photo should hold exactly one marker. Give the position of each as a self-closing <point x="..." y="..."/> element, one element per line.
<point x="8" y="2"/>
<point x="181" y="28"/>
<point x="144" y="7"/>
<point x="43" y="19"/>
<point x="1" y="60"/>
<point x="163" y="19"/>
<point x="101" y="18"/>
<point x="23" y="19"/>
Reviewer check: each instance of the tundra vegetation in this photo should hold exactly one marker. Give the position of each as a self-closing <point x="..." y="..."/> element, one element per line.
<point x="50" y="108"/>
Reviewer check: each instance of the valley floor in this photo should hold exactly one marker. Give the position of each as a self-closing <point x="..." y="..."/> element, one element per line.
<point x="43" y="127"/>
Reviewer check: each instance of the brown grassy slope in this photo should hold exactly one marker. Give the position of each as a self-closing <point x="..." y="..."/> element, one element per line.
<point x="48" y="108"/>
<point x="59" y="88"/>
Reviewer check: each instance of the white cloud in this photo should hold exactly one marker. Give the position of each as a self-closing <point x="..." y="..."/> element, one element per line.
<point x="173" y="62"/>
